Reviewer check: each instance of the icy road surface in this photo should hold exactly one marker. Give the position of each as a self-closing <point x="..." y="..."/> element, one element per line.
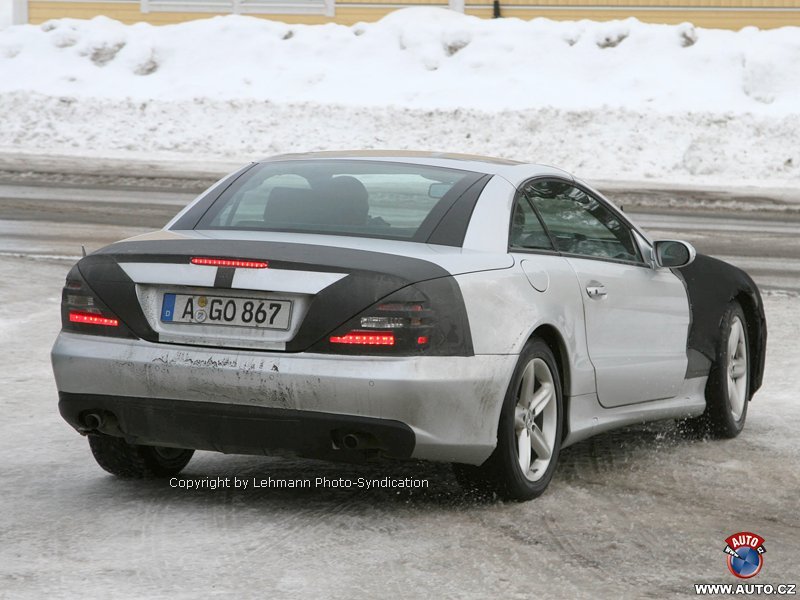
<point x="642" y="513"/>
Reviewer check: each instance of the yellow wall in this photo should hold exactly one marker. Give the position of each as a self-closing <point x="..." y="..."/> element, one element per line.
<point x="653" y="11"/>
<point x="128" y="12"/>
<point x="728" y="19"/>
<point x="676" y="4"/>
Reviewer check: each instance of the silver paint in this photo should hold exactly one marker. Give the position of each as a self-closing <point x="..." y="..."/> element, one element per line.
<point x="587" y="417"/>
<point x="504" y="311"/>
<point x="636" y="332"/>
<point x="451" y="403"/>
<point x="536" y="275"/>
<point x="170" y="273"/>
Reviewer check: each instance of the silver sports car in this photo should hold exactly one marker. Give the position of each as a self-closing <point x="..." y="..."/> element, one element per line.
<point x="353" y="306"/>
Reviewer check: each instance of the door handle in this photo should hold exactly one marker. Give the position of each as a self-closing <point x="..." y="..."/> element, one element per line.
<point x="596" y="291"/>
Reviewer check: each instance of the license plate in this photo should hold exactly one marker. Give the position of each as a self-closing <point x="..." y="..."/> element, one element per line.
<point x="221" y="310"/>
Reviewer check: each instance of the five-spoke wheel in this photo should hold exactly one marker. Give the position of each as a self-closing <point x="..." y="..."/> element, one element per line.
<point x="536" y="419"/>
<point x="728" y="387"/>
<point x="737" y="368"/>
<point x="528" y="433"/>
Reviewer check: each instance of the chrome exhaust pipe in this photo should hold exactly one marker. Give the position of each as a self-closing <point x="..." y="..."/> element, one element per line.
<point x="351" y="441"/>
<point x="93" y="421"/>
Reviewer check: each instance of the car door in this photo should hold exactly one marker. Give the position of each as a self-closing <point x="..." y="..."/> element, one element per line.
<point x="552" y="295"/>
<point x="636" y="317"/>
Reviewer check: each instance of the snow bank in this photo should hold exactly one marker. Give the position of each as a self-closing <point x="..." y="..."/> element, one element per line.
<point x="614" y="100"/>
<point x="419" y="57"/>
<point x="620" y="144"/>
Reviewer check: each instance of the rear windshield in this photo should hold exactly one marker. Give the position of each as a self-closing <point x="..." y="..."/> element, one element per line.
<point x="373" y="199"/>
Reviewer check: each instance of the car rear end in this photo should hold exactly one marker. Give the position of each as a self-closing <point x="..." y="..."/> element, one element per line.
<point x="262" y="336"/>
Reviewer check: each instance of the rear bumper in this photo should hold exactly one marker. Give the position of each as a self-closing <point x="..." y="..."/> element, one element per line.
<point x="299" y="402"/>
<point x="236" y="429"/>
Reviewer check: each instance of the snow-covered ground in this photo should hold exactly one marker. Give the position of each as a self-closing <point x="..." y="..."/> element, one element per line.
<point x="641" y="513"/>
<point x="700" y="148"/>
<point x="638" y="513"/>
<point x="418" y="58"/>
<point x="617" y="100"/>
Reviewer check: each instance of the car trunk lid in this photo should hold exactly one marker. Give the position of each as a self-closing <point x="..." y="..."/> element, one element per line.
<point x="321" y="284"/>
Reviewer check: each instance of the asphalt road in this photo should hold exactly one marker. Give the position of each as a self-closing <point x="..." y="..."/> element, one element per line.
<point x="55" y="218"/>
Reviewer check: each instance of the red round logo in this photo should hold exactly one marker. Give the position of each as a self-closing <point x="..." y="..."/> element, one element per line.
<point x="745" y="552"/>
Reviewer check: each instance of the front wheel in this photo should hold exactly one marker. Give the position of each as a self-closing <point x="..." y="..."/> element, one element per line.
<point x="728" y="387"/>
<point x="134" y="461"/>
<point x="529" y="430"/>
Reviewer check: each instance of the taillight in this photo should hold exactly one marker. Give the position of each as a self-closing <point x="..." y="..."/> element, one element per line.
<point x="92" y="319"/>
<point x="230" y="262"/>
<point x="83" y="312"/>
<point x="395" y="326"/>
<point x="424" y="318"/>
<point x="397" y="315"/>
<point x="365" y="338"/>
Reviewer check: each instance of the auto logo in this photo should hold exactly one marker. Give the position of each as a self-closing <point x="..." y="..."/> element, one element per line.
<point x="200" y="316"/>
<point x="745" y="552"/>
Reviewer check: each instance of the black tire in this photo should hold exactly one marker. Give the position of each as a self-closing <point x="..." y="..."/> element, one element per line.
<point x="133" y="461"/>
<point x="502" y="472"/>
<point x="725" y="412"/>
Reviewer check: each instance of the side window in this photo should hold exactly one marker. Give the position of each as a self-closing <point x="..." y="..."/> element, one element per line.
<point x="581" y="224"/>
<point x="526" y="229"/>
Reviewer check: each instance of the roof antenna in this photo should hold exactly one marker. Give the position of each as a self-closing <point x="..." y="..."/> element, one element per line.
<point x="83" y="250"/>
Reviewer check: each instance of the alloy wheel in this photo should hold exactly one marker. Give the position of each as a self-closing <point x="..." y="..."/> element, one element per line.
<point x="737" y="368"/>
<point x="536" y="419"/>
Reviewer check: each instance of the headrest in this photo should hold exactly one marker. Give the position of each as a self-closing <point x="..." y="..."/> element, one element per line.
<point x="290" y="205"/>
<point x="348" y="201"/>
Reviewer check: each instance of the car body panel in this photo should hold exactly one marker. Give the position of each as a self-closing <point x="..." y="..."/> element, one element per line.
<point x="636" y="332"/>
<point x="504" y="310"/>
<point x="488" y="229"/>
<point x="644" y="352"/>
<point x="277" y="280"/>
<point x="449" y="402"/>
<point x="587" y="417"/>
<point x="370" y="276"/>
<point x="711" y="284"/>
<point x="454" y="260"/>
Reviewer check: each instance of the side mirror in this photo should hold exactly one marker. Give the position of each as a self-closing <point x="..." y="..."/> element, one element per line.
<point x="673" y="253"/>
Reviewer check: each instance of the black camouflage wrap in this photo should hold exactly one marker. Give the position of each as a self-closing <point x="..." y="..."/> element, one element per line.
<point x="370" y="277"/>
<point x="711" y="285"/>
